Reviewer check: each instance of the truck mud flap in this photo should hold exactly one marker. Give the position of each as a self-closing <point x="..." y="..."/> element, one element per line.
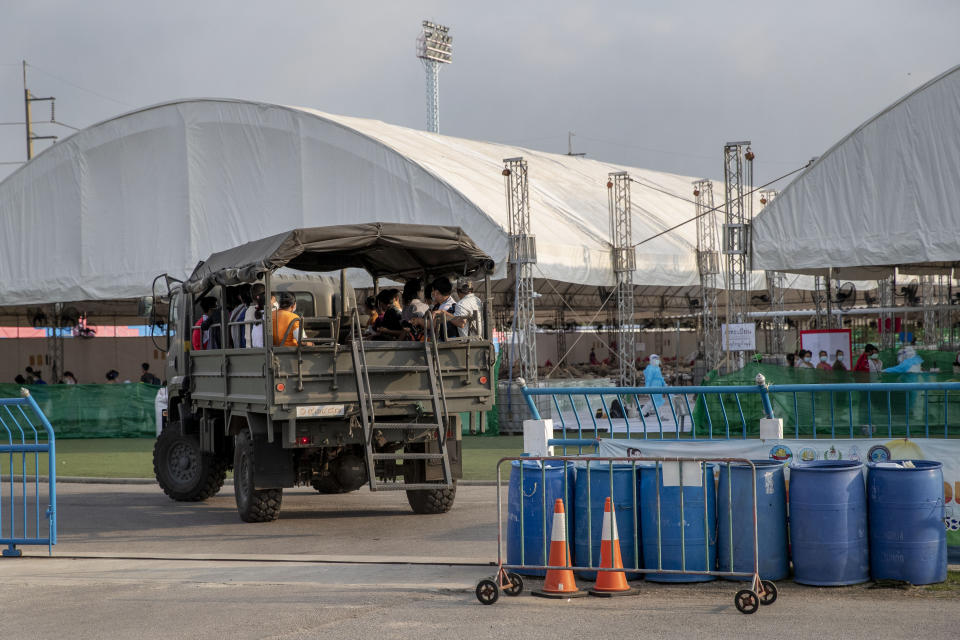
<point x="273" y="465"/>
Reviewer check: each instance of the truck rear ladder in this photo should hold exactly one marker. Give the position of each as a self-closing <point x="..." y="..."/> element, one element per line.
<point x="435" y="426"/>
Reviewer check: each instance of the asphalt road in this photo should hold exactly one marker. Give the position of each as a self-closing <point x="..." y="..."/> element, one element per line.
<point x="133" y="564"/>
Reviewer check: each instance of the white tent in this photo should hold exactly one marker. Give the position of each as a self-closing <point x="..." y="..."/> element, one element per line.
<point x="886" y="195"/>
<point x="98" y="215"/>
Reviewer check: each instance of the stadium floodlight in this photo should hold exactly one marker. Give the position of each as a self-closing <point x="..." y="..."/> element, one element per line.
<point x="434" y="47"/>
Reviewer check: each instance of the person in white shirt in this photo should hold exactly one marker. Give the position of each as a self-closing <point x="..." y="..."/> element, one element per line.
<point x="468" y="315"/>
<point x="444" y="307"/>
<point x="250" y="315"/>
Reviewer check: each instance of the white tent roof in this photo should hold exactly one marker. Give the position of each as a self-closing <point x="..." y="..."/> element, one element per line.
<point x="98" y="215"/>
<point x="886" y="195"/>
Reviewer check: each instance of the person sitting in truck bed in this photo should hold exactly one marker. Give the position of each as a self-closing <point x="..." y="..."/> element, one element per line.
<point x="253" y="316"/>
<point x="414" y="310"/>
<point x="389" y="325"/>
<point x="283" y="334"/>
<point x="200" y="338"/>
<point x="444" y="308"/>
<point x="467" y="317"/>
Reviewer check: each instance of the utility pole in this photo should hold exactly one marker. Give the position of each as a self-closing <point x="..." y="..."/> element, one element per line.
<point x="28" y="99"/>
<point x="570" y="152"/>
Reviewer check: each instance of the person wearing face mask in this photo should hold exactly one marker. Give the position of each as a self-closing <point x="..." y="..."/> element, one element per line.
<point x="806" y="360"/>
<point x="653" y="377"/>
<point x="823" y="365"/>
<point x="869" y="360"/>
<point x="838" y="362"/>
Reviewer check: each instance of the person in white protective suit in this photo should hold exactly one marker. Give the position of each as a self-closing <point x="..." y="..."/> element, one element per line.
<point x="908" y="363"/>
<point x="653" y="377"/>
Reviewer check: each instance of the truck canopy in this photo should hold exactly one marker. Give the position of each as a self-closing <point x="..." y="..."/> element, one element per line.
<point x="387" y="250"/>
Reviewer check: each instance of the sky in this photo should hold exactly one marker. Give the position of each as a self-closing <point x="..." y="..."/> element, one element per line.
<point x="658" y="85"/>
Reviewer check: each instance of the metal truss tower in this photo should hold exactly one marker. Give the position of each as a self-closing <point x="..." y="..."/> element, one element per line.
<point x="560" y="324"/>
<point x="776" y="286"/>
<point x="434" y="48"/>
<point x="55" y="344"/>
<point x="738" y="215"/>
<point x="935" y="299"/>
<point x="886" y="289"/>
<point x="708" y="264"/>
<point x="624" y="264"/>
<point x="523" y="255"/>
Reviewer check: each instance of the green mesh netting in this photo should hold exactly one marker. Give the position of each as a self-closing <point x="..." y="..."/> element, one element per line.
<point x="94" y="410"/>
<point x="857" y="414"/>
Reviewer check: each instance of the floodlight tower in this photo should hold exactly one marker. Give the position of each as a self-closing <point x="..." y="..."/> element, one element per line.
<point x="624" y="264"/>
<point x="738" y="215"/>
<point x="434" y="48"/>
<point x="708" y="264"/>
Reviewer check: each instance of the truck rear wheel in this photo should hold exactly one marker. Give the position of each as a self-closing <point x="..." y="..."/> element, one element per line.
<point x="253" y="505"/>
<point x="183" y="471"/>
<point x="432" y="500"/>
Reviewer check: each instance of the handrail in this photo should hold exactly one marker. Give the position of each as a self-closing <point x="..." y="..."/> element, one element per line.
<point x="864" y="409"/>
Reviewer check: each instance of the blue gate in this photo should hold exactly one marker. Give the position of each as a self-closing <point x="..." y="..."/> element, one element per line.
<point x="26" y="443"/>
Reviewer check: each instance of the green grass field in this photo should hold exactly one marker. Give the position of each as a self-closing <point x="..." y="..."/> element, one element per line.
<point x="133" y="458"/>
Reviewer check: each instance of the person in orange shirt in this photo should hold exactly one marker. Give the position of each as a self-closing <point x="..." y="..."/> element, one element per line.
<point x="283" y="318"/>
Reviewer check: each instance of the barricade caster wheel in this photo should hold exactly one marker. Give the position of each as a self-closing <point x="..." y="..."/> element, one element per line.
<point x="516" y="585"/>
<point x="769" y="593"/>
<point x="487" y="591"/>
<point x="746" y="601"/>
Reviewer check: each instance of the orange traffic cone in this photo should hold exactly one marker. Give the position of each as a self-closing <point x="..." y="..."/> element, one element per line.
<point x="559" y="583"/>
<point x="611" y="583"/>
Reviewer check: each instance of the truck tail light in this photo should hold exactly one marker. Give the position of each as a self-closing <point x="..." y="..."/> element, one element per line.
<point x="281" y="386"/>
<point x="483" y="379"/>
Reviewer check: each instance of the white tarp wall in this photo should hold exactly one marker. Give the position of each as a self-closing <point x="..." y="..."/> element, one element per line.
<point x="101" y="213"/>
<point x="887" y="194"/>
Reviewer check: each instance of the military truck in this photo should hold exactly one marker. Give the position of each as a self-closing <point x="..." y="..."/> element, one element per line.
<point x="337" y="410"/>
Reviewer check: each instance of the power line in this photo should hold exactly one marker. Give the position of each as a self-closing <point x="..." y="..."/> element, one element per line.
<point x="76" y="86"/>
<point x="675" y="153"/>
<point x="62" y="124"/>
<point x="14" y="162"/>
<point x="677" y="226"/>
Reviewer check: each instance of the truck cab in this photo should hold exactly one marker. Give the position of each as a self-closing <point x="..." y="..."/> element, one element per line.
<point x="325" y="406"/>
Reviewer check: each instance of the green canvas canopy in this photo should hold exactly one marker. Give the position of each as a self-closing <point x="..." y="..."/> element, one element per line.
<point x="388" y="250"/>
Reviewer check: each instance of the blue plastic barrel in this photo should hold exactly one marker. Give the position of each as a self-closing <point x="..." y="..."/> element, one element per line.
<point x="735" y="506"/>
<point x="588" y="529"/>
<point x="525" y="545"/>
<point x="828" y="523"/>
<point x="698" y="552"/>
<point x="907" y="538"/>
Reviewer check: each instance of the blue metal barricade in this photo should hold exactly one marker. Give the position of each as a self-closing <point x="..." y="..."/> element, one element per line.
<point x="851" y="410"/>
<point x="26" y="437"/>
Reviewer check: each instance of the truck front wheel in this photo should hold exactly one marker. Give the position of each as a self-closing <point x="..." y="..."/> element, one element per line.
<point x="183" y="471"/>
<point x="253" y="505"/>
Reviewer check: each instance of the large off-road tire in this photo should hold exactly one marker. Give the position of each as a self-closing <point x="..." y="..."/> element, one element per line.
<point x="185" y="473"/>
<point x="432" y="500"/>
<point x="253" y="505"/>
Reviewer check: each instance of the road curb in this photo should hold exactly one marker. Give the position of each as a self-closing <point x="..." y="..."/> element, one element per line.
<point x="228" y="481"/>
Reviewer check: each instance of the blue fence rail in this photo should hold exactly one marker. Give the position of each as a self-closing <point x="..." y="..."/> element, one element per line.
<point x="849" y="410"/>
<point x="25" y="436"/>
